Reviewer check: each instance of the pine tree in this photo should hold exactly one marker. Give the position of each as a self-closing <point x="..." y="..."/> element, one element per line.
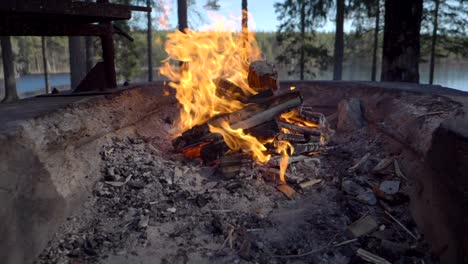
<point x="401" y="47"/>
<point x="8" y="70"/>
<point x="339" y="40"/>
<point x="447" y="21"/>
<point x="298" y="20"/>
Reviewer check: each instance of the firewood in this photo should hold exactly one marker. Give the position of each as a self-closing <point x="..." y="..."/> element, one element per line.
<point x="229" y="90"/>
<point x="260" y="96"/>
<point x="307" y="184"/>
<point x="300" y="129"/>
<point x="306" y="148"/>
<point x="294" y="138"/>
<point x="246" y="118"/>
<point x="287" y="191"/>
<point x="263" y="75"/>
<point x="264" y="131"/>
<point x="314" y="117"/>
<point x="212" y="152"/>
<point x="256" y="114"/>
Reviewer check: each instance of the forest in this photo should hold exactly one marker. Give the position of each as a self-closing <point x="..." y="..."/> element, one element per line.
<point x="443" y="39"/>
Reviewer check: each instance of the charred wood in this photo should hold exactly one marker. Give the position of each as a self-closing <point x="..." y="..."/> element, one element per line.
<point x="306" y="148"/>
<point x="263" y="75"/>
<point x="300" y="129"/>
<point x="260" y="96"/>
<point x="250" y="116"/>
<point x="256" y="114"/>
<point x="213" y="152"/>
<point x="291" y="137"/>
<point x="228" y="89"/>
<point x="265" y="131"/>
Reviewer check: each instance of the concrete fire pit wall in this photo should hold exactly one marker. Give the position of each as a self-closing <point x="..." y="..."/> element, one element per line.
<point x="49" y="162"/>
<point x="428" y="126"/>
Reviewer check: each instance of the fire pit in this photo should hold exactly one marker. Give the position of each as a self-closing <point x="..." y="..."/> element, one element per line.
<point x="153" y="204"/>
<point x="215" y="180"/>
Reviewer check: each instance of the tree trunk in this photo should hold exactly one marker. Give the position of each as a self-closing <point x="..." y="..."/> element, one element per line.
<point x="376" y="42"/>
<point x="245" y="26"/>
<point x="182" y="14"/>
<point x="76" y="47"/>
<point x="339" y="41"/>
<point x="150" y="44"/>
<point x="401" y="47"/>
<point x="8" y="70"/>
<point x="302" y="59"/>
<point x="434" y="41"/>
<point x="45" y="66"/>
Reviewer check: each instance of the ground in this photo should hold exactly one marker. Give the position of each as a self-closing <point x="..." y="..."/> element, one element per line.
<point x="154" y="206"/>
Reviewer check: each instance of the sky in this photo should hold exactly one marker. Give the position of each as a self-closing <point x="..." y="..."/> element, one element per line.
<point x="262" y="11"/>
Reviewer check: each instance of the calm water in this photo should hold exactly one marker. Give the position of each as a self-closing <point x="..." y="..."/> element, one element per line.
<point x="453" y="75"/>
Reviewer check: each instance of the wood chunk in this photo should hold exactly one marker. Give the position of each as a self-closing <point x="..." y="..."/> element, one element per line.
<point x="212" y="152"/>
<point x="309" y="183"/>
<point x="256" y="114"/>
<point x="227" y="89"/>
<point x="300" y="129"/>
<point x="294" y="138"/>
<point x="265" y="131"/>
<point x="263" y="75"/>
<point x="194" y="136"/>
<point x="363" y="226"/>
<point x="260" y="96"/>
<point x="232" y="159"/>
<point x="248" y="117"/>
<point x="314" y="117"/>
<point x="306" y="148"/>
<point x="287" y="191"/>
<point x="367" y="256"/>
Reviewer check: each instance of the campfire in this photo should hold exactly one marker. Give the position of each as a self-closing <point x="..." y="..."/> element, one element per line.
<point x="232" y="106"/>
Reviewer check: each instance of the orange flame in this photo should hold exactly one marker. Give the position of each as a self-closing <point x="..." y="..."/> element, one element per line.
<point x="209" y="55"/>
<point x="237" y="140"/>
<point x="282" y="148"/>
<point x="293" y="117"/>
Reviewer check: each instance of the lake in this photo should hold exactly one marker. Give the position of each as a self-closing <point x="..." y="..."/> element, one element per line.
<point x="453" y="75"/>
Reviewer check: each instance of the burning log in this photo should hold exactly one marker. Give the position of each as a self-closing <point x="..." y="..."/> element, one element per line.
<point x="256" y="114"/>
<point x="247" y="118"/>
<point x="265" y="131"/>
<point x="300" y="129"/>
<point x="263" y="75"/>
<point x="195" y="136"/>
<point x="260" y="96"/>
<point x="213" y="151"/>
<point x="314" y="117"/>
<point x="228" y="89"/>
